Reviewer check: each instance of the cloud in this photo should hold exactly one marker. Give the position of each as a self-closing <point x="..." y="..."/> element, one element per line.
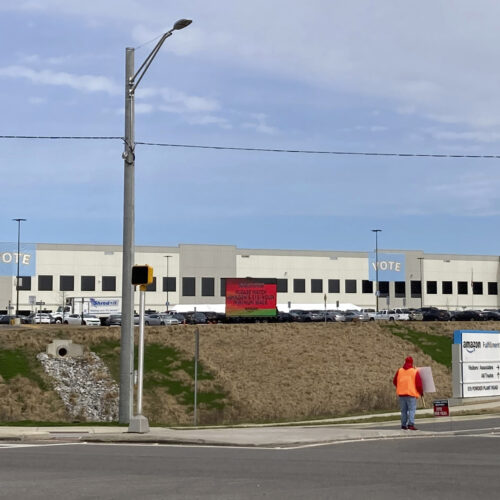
<point x="259" y="124"/>
<point x="85" y="83"/>
<point x="482" y="136"/>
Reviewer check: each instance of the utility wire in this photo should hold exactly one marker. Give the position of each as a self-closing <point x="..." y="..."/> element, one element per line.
<point x="63" y="137"/>
<point x="262" y="150"/>
<point x="318" y="152"/>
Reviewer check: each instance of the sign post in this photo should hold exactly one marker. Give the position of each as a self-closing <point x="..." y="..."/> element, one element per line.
<point x="142" y="276"/>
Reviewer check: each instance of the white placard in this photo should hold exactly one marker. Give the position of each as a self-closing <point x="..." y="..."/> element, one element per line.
<point x="425" y="373"/>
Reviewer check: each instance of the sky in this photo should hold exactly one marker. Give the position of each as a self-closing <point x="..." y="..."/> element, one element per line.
<point x="351" y="76"/>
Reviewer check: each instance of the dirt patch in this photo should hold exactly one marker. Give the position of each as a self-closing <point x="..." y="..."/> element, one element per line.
<point x="271" y="372"/>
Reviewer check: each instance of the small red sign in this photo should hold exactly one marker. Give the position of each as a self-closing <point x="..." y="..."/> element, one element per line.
<point x="441" y="408"/>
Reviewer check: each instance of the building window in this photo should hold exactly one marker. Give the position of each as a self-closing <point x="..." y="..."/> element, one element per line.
<point x="416" y="289"/>
<point x="383" y="288"/>
<point x="367" y="286"/>
<point x="333" y="286"/>
<point x="432" y="288"/>
<point x="316" y="286"/>
<point x="462" y="288"/>
<point x="109" y="283"/>
<point x="87" y="284"/>
<point x="299" y="286"/>
<point x="399" y="289"/>
<point x="447" y="287"/>
<point x="45" y="282"/>
<point x="188" y="287"/>
<point x="207" y="287"/>
<point x="152" y="286"/>
<point x="350" y="286"/>
<point x="66" y="283"/>
<point x="477" y="287"/>
<point x="24" y="283"/>
<point x="492" y="288"/>
<point x="169" y="284"/>
<point x="282" y="285"/>
<point x="223" y="287"/>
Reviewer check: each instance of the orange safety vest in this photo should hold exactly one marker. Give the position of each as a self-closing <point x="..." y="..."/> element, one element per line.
<point x="406" y="383"/>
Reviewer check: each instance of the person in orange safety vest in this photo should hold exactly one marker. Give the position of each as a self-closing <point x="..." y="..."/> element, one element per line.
<point x="408" y="388"/>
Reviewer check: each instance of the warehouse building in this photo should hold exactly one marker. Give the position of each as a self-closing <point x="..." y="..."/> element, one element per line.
<point x="193" y="276"/>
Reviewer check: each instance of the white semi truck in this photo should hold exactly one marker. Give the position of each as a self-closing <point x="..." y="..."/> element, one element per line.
<point x="101" y="307"/>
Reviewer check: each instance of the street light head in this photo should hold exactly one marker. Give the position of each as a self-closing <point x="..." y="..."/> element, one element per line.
<point x="182" y="23"/>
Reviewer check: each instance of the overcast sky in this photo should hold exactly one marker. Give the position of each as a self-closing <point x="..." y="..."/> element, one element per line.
<point x="344" y="75"/>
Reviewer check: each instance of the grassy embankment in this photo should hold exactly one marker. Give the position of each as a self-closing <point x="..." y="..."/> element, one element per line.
<point x="248" y="373"/>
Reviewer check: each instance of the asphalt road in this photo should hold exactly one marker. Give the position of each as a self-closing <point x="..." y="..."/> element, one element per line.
<point x="451" y="467"/>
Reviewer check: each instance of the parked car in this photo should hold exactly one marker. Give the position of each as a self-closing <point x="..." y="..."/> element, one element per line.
<point x="336" y="315"/>
<point x="178" y="316"/>
<point x="370" y="312"/>
<point x="490" y="315"/>
<point x="416" y="315"/>
<point x="283" y="317"/>
<point x="403" y="314"/>
<point x="196" y="318"/>
<point x="39" y="318"/>
<point x="5" y="319"/>
<point x="299" y="315"/>
<point x="76" y="319"/>
<point x="434" y="314"/>
<point x="169" y="319"/>
<point x="352" y="315"/>
<point x="468" y="315"/>
<point x="116" y="320"/>
<point x="387" y="315"/>
<point x="153" y="319"/>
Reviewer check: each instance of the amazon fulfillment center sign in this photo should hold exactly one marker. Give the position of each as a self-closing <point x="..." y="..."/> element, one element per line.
<point x="476" y="364"/>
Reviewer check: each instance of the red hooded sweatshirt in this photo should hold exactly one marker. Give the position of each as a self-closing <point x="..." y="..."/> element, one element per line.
<point x="418" y="380"/>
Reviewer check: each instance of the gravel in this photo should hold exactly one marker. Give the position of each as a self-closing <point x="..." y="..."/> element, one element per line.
<point x="85" y="386"/>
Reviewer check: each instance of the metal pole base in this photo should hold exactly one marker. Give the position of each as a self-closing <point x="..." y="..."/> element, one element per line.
<point x="139" y="424"/>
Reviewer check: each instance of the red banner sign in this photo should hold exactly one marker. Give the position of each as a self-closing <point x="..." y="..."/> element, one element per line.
<point x="250" y="297"/>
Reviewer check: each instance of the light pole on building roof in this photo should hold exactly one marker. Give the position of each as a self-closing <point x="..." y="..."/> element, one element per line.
<point x="18" y="259"/>
<point x="132" y="80"/>
<point x="377" y="291"/>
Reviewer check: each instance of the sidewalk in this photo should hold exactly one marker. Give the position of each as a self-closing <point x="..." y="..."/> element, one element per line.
<point x="272" y="436"/>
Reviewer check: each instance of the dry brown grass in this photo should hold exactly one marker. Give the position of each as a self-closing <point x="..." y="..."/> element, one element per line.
<point x="270" y="372"/>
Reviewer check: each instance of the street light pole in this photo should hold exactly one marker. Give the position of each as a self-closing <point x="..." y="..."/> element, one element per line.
<point x="167" y="257"/>
<point x="421" y="284"/>
<point x="18" y="258"/>
<point x="377" y="291"/>
<point x="132" y="80"/>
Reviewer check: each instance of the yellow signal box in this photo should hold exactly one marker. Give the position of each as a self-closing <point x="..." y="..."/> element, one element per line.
<point x="142" y="275"/>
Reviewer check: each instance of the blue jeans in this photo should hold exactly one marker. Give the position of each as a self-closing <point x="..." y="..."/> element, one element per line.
<point x="408" y="405"/>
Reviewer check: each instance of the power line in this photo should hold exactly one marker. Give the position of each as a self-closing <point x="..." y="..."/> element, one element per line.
<point x="262" y="150"/>
<point x="319" y="152"/>
<point x="63" y="137"/>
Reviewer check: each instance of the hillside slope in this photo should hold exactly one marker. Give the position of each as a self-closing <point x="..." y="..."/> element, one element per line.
<point x="267" y="372"/>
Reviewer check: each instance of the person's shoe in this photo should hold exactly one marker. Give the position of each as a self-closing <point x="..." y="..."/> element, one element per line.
<point x="404" y="427"/>
<point x="412" y="428"/>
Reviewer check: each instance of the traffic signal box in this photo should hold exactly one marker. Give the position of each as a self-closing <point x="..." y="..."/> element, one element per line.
<point x="142" y="275"/>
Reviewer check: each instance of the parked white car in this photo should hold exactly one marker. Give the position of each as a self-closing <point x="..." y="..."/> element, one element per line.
<point x="76" y="319"/>
<point x="37" y="318"/>
<point x="370" y="312"/>
<point x="403" y="314"/>
<point x="387" y="315"/>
